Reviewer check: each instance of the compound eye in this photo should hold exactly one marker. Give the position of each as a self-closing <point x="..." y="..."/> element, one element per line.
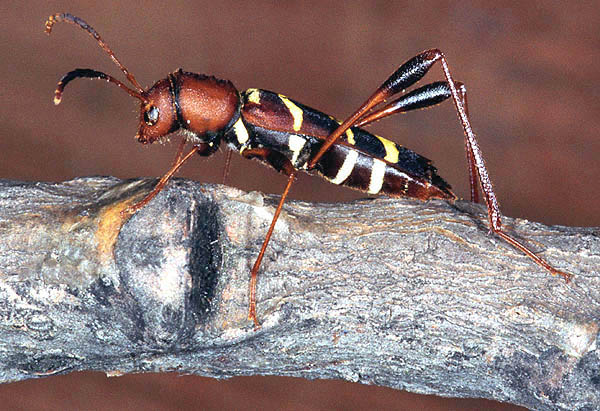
<point x="151" y="115"/>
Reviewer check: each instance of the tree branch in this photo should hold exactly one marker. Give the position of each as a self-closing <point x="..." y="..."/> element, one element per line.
<point x="400" y="293"/>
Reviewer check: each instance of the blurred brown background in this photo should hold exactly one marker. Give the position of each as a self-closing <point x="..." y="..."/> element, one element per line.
<point x="531" y="69"/>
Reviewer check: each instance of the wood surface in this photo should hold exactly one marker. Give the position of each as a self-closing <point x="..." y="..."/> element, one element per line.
<point x="400" y="293"/>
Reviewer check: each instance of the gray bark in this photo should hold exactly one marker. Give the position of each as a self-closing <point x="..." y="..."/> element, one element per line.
<point x="394" y="292"/>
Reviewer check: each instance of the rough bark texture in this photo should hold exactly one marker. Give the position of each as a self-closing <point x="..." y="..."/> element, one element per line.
<point x="400" y="293"/>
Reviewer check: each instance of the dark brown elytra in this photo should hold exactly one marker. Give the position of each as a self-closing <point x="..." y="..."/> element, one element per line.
<point x="206" y="108"/>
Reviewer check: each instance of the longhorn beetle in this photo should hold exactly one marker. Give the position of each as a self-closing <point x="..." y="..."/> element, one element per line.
<point x="290" y="136"/>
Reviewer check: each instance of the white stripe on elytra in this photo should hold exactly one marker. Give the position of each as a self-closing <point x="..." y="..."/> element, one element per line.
<point x="253" y="95"/>
<point x="350" y="137"/>
<point x="346" y="168"/>
<point x="295" y="111"/>
<point x="391" y="150"/>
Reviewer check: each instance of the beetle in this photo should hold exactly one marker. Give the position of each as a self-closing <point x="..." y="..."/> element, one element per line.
<point x="291" y="137"/>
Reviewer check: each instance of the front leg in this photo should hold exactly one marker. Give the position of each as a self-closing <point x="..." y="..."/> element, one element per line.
<point x="179" y="160"/>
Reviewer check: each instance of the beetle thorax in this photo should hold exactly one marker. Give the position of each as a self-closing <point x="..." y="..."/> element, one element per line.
<point x="202" y="106"/>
